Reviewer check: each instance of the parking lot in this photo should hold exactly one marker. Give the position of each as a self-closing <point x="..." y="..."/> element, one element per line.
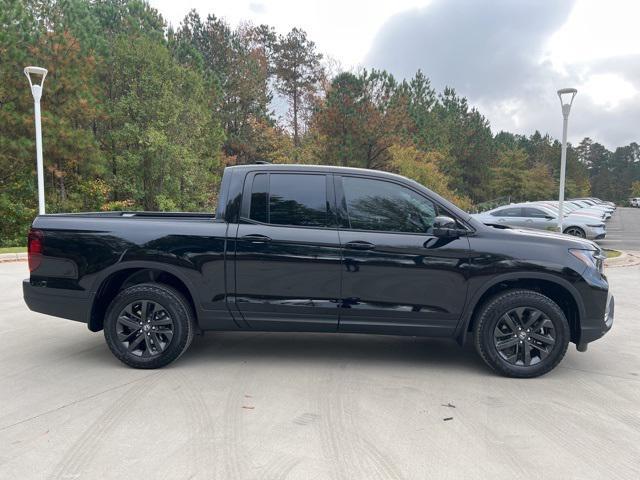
<point x="315" y="406"/>
<point x="623" y="230"/>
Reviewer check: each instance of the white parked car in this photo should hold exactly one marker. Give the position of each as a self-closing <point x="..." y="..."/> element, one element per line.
<point x="541" y="217"/>
<point x="574" y="208"/>
<point x="635" y="202"/>
<point x="594" y="206"/>
<point x="599" y="202"/>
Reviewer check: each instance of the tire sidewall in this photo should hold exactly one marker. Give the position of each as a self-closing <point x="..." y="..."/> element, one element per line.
<point x="506" y="302"/>
<point x="172" y="302"/>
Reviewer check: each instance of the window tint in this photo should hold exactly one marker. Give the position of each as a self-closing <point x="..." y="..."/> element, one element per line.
<point x="385" y="206"/>
<point x="259" y="198"/>
<point x="508" y="212"/>
<point x="534" y="212"/>
<point x="296" y="199"/>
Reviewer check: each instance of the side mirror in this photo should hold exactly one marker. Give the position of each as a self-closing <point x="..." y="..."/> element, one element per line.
<point x="446" y="227"/>
<point x="549" y="217"/>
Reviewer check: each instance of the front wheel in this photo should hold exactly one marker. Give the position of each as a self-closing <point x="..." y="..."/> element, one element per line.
<point x="575" y="232"/>
<point x="148" y="325"/>
<point x="521" y="333"/>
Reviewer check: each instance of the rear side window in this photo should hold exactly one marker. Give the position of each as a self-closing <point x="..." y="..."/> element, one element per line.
<point x="289" y="199"/>
<point x="534" y="212"/>
<point x="259" y="191"/>
<point x="508" y="212"/>
<point x="385" y="206"/>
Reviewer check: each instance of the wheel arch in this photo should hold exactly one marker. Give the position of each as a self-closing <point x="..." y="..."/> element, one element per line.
<point x="557" y="289"/>
<point x="127" y="275"/>
<point x="577" y="227"/>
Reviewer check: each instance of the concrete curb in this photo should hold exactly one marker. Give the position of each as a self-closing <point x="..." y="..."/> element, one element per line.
<point x="13" y="257"/>
<point x="626" y="259"/>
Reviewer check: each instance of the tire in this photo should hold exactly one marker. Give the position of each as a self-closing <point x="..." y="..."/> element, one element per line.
<point x="162" y="338"/>
<point x="495" y="336"/>
<point x="575" y="232"/>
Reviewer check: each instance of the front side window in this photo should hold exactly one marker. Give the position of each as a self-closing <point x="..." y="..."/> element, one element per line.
<point x="385" y="206"/>
<point x="289" y="199"/>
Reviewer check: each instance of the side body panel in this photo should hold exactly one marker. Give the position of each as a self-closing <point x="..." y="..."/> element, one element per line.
<point x="80" y="253"/>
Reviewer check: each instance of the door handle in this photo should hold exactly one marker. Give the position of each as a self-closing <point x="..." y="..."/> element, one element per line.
<point x="256" y="238"/>
<point x="359" y="245"/>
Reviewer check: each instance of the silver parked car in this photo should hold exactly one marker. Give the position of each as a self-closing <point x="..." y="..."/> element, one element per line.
<point x="540" y="217"/>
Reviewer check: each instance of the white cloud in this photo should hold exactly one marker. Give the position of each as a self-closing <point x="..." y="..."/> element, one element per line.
<point x="507" y="56"/>
<point x="342" y="29"/>
<point x="608" y="90"/>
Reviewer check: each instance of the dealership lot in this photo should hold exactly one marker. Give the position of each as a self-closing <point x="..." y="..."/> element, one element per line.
<point x="623" y="230"/>
<point x="312" y="406"/>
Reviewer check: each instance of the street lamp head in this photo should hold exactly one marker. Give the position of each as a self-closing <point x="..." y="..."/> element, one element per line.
<point x="36" y="88"/>
<point x="28" y="71"/>
<point x="566" y="104"/>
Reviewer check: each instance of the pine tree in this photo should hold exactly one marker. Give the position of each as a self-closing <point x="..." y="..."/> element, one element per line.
<point x="298" y="71"/>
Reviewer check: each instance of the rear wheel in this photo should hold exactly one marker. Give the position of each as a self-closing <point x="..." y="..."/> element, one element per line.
<point x="521" y="333"/>
<point x="148" y="325"/>
<point x="575" y="231"/>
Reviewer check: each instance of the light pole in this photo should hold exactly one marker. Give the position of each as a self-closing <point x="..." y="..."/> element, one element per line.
<point x="36" y="91"/>
<point x="566" y="108"/>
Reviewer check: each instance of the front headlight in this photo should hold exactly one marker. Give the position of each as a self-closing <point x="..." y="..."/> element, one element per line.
<point x="591" y="258"/>
<point x="597" y="225"/>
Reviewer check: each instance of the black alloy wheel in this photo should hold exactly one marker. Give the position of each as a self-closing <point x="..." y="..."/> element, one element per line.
<point x="149" y="325"/>
<point x="521" y="333"/>
<point x="144" y="328"/>
<point x="524" y="336"/>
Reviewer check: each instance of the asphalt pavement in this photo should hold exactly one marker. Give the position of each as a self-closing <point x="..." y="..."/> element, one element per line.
<point x="623" y="230"/>
<point x="311" y="406"/>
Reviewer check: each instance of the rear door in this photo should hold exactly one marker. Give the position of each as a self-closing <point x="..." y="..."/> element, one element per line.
<point x="397" y="276"/>
<point x="288" y="252"/>
<point x="511" y="216"/>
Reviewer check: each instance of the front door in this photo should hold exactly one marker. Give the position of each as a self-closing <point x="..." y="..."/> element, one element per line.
<point x="540" y="219"/>
<point x="396" y="276"/>
<point x="288" y="253"/>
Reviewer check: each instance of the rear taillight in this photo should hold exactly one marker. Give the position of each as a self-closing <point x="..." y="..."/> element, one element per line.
<point x="35" y="245"/>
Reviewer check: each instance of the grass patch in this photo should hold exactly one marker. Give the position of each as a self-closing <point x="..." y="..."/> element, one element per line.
<point x="612" y="253"/>
<point x="13" y="249"/>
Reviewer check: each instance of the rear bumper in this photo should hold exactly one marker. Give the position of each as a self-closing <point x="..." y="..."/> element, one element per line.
<point x="57" y="302"/>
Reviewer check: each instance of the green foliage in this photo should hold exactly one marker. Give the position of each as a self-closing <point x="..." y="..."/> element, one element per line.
<point x="611" y="174"/>
<point x="140" y="116"/>
<point x="424" y="169"/>
<point x="159" y="118"/>
<point x="363" y="116"/>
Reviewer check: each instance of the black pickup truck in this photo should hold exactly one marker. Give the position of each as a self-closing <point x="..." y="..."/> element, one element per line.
<point x="320" y="249"/>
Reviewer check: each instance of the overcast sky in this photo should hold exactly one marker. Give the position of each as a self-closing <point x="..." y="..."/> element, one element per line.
<point x="508" y="57"/>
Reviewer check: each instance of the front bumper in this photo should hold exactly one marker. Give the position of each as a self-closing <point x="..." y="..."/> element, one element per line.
<point x="594" y="329"/>
<point x="595" y="233"/>
<point x="57" y="302"/>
